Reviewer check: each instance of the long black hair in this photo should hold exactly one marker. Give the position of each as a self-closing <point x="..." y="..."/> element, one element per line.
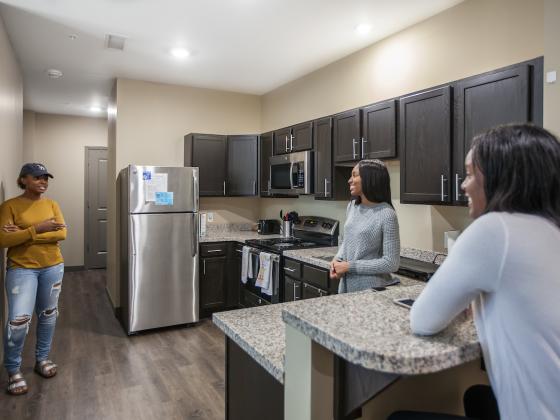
<point x="521" y="168"/>
<point x="376" y="184"/>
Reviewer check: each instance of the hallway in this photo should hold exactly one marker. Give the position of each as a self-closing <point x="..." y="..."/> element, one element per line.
<point x="174" y="373"/>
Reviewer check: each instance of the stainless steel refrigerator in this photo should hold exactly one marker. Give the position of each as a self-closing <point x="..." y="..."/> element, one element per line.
<point x="158" y="212"/>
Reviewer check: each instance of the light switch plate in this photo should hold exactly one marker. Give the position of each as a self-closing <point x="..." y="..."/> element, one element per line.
<point x="551" y="76"/>
<point x="210" y="217"/>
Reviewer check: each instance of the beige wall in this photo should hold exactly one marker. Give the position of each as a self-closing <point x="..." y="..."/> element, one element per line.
<point x="470" y="38"/>
<point x="59" y="142"/>
<point x="552" y="62"/>
<point x="152" y="120"/>
<point x="11" y="149"/>
<point x="112" y="229"/>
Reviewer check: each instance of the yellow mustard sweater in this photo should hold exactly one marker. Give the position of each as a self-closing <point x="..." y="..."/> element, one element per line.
<point x="27" y="248"/>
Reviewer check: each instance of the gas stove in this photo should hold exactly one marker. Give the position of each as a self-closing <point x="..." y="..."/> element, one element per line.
<point x="309" y="232"/>
<point x="283" y="244"/>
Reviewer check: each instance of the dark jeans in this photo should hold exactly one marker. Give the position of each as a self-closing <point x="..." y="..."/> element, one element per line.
<point x="479" y="403"/>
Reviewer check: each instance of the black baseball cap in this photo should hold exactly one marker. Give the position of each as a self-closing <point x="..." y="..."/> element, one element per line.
<point x="34" y="169"/>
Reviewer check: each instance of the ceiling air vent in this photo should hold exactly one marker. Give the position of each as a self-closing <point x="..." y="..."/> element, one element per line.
<point x="115" y="42"/>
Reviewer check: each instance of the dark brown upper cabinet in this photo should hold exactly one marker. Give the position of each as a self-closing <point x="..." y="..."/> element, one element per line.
<point x="347" y="139"/>
<point x="208" y="152"/>
<point x="323" y="157"/>
<point x="242" y="167"/>
<point x="379" y="131"/>
<point x="282" y="140"/>
<point x="294" y="139"/>
<point x="264" y="163"/>
<point x="509" y="95"/>
<point x="302" y="137"/>
<point x="425" y="139"/>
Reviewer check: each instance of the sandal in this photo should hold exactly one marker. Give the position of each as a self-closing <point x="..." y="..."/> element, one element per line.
<point x="16" y="384"/>
<point x="46" y="368"/>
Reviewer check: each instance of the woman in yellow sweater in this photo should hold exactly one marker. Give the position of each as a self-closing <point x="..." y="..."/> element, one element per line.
<point x="31" y="227"/>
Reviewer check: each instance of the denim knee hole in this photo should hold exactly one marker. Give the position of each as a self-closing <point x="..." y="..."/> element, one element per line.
<point x="19" y="323"/>
<point x="48" y="313"/>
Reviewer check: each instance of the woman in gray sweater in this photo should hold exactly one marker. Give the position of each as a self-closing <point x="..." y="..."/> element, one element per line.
<point x="371" y="248"/>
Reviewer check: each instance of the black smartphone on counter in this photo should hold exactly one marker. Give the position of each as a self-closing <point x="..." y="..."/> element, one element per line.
<point x="406" y="302"/>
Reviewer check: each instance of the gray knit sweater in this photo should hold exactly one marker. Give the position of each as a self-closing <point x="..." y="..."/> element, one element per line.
<point x="371" y="245"/>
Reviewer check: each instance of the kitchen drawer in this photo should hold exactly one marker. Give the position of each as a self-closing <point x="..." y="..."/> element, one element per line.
<point x="250" y="300"/>
<point x="310" y="292"/>
<point x="292" y="268"/>
<point x="317" y="276"/>
<point x="213" y="249"/>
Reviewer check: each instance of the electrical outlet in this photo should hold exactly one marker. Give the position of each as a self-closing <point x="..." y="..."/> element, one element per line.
<point x="210" y="217"/>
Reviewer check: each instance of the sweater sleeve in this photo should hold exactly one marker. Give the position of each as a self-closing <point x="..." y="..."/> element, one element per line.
<point x="341" y="253"/>
<point x="389" y="261"/>
<point x="55" y="236"/>
<point x="473" y="267"/>
<point x="11" y="239"/>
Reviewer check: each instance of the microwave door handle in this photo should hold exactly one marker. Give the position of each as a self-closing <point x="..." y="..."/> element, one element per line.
<point x="291" y="175"/>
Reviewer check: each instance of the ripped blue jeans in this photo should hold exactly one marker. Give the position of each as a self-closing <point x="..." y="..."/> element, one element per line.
<point x="28" y="289"/>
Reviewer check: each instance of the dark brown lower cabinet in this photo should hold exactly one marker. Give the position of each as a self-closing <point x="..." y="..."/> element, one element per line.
<point x="233" y="274"/>
<point x="251" y="392"/>
<point x="212" y="283"/>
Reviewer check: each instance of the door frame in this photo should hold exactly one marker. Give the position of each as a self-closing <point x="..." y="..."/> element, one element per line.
<point x="87" y="263"/>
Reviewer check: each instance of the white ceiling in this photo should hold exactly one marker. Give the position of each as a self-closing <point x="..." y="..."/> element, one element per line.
<point x="250" y="46"/>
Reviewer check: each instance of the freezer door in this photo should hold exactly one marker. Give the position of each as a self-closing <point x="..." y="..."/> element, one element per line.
<point x="180" y="183"/>
<point x="163" y="270"/>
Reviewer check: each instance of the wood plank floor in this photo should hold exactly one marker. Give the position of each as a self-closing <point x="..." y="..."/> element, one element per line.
<point x="175" y="373"/>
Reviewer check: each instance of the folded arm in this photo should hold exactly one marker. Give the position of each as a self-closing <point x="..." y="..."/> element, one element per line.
<point x="472" y="268"/>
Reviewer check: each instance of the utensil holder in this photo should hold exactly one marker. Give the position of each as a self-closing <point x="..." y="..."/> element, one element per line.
<point x="287" y="229"/>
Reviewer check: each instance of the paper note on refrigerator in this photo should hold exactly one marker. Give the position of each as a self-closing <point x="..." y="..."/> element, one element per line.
<point x="157" y="183"/>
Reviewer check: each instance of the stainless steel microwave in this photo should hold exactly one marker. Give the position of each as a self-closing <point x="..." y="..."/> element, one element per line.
<point x="292" y="174"/>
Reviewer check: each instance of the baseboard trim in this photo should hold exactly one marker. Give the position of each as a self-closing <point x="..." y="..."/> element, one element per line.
<point x="74" y="268"/>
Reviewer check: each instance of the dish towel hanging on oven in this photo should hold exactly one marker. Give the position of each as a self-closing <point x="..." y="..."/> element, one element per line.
<point x="264" y="278"/>
<point x="245" y="264"/>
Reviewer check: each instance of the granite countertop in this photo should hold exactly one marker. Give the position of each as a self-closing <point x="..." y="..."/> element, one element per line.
<point x="368" y="329"/>
<point x="260" y="331"/>
<point x="310" y="255"/>
<point x="233" y="236"/>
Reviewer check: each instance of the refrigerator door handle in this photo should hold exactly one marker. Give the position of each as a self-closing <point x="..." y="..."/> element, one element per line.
<point x="195" y="236"/>
<point x="132" y="239"/>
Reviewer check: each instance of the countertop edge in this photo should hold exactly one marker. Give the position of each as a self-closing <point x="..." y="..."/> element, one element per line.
<point x="276" y="371"/>
<point x="380" y="362"/>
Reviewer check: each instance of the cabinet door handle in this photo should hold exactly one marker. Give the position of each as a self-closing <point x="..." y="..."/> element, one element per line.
<point x="443" y="181"/>
<point x="291" y="270"/>
<point x="224" y="187"/>
<point x="291" y="142"/>
<point x="204" y="267"/>
<point x="286" y="138"/>
<point x="254" y="187"/>
<point x="457" y="194"/>
<point x="296" y="297"/>
<point x="363" y="146"/>
<point x="269" y="187"/>
<point x="326" y="191"/>
<point x="238" y="250"/>
<point x="214" y="250"/>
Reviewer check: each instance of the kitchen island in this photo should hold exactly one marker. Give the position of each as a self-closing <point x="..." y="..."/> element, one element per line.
<point x="327" y="357"/>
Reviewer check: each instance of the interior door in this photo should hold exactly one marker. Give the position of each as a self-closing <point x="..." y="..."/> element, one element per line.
<point x="163" y="282"/>
<point x="95" y="238"/>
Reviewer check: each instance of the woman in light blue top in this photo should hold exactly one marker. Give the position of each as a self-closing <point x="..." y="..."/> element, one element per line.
<point x="370" y="250"/>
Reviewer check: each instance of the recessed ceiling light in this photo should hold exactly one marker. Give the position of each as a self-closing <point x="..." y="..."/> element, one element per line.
<point x="95" y="109"/>
<point x="73" y="37"/>
<point x="180" y="53"/>
<point x="362" y="29"/>
<point x="54" y="73"/>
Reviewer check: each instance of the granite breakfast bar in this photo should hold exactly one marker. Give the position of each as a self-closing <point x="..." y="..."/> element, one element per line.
<point x="326" y="357"/>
